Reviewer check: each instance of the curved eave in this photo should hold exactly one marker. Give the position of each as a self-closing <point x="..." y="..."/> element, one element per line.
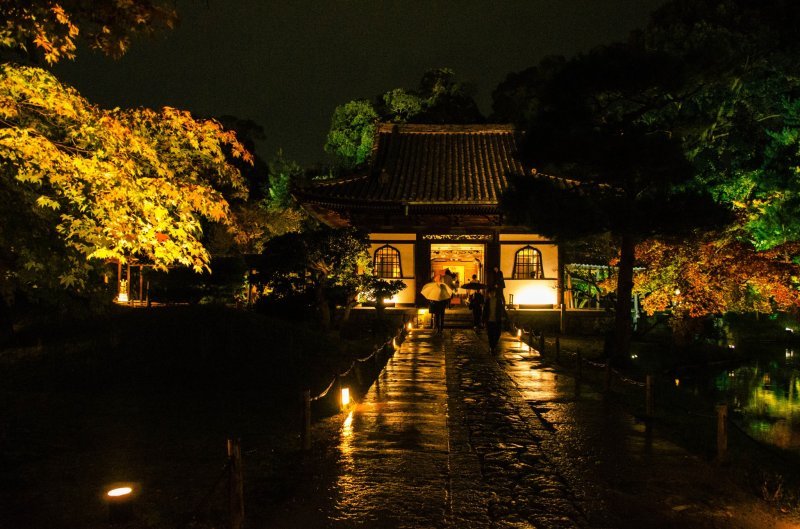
<point x="345" y="204"/>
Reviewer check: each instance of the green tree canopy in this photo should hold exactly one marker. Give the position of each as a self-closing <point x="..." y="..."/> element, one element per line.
<point x="351" y="133"/>
<point x="439" y="98"/>
<point x="318" y="261"/>
<point x="603" y="120"/>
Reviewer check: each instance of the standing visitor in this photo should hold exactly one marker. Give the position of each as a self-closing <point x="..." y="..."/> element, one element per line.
<point x="476" y="305"/>
<point x="449" y="279"/>
<point x="493" y="313"/>
<point x="497" y="279"/>
<point x="437" y="309"/>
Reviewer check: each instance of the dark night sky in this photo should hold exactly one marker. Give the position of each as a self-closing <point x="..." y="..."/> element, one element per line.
<point x="287" y="64"/>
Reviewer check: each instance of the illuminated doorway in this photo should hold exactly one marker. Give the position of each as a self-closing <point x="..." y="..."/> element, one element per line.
<point x="464" y="260"/>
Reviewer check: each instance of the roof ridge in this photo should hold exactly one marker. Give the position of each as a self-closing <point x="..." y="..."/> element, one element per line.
<point x="447" y="128"/>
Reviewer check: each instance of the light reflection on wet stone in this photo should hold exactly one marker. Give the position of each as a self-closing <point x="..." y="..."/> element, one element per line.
<point x="393" y="452"/>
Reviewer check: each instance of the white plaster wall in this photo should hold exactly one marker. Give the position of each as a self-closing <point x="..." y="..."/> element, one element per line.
<point x="409" y="294"/>
<point x="392" y="237"/>
<point x="522" y="237"/>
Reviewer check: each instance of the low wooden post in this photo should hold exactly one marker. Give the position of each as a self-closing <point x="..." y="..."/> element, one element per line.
<point x="530" y="340"/>
<point x="141" y="286"/>
<point x="305" y="434"/>
<point x="579" y="367"/>
<point x="722" y="432"/>
<point x="608" y="375"/>
<point x="236" y="483"/>
<point x="541" y="343"/>
<point x="558" y="345"/>
<point x="648" y="407"/>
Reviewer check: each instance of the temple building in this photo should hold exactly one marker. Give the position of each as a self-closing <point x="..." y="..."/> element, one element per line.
<point x="430" y="201"/>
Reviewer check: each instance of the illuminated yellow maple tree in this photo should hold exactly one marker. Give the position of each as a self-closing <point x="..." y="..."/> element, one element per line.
<point x="107" y="184"/>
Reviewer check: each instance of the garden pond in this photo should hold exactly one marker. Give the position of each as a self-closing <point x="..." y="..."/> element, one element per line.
<point x="762" y="393"/>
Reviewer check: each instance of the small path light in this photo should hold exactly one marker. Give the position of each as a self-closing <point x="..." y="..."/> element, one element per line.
<point x="409" y="326"/>
<point x="677" y="382"/>
<point x="519" y="334"/>
<point x="120" y="499"/>
<point x="345" y="397"/>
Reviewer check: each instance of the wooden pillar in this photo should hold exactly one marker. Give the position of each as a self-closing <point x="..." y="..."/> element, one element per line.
<point x="722" y="432"/>
<point x="560" y="285"/>
<point x="119" y="278"/>
<point x="422" y="266"/>
<point x="141" y="284"/>
<point x="129" y="283"/>
<point x="492" y="257"/>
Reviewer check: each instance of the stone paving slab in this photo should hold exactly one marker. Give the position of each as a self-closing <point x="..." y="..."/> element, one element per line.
<point x="518" y="486"/>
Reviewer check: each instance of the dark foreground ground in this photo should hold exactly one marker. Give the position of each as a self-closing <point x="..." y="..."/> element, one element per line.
<point x="448" y="436"/>
<point x="150" y="397"/>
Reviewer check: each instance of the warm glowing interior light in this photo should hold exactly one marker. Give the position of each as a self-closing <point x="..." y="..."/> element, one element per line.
<point x="121" y="491"/>
<point x="345" y="396"/>
<point x="409" y="326"/>
<point x="535" y="294"/>
<point x="422" y="312"/>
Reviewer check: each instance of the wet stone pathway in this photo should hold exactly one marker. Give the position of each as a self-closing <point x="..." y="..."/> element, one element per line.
<point x="393" y="447"/>
<point x="518" y="486"/>
<point x="442" y="439"/>
<point x="452" y="437"/>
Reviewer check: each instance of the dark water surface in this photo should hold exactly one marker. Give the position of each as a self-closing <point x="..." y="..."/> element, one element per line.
<point x="762" y="393"/>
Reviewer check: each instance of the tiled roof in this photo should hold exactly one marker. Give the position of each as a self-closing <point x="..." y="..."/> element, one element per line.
<point x="424" y="165"/>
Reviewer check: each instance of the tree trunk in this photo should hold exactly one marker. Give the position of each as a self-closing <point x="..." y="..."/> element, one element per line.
<point x="622" y="317"/>
<point x="348" y="308"/>
<point x="322" y="304"/>
<point x="6" y="322"/>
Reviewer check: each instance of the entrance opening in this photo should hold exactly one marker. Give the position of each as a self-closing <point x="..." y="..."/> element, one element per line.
<point x="463" y="260"/>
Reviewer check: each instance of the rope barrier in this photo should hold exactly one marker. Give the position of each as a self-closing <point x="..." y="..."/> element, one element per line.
<point x="372" y="355"/>
<point x="325" y="391"/>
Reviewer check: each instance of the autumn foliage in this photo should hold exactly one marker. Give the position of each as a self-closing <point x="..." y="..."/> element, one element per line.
<point x="54" y="27"/>
<point x="95" y="184"/>
<point x="713" y="275"/>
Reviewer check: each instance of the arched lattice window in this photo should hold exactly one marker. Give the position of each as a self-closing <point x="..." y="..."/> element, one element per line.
<point x="528" y="264"/>
<point x="387" y="262"/>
